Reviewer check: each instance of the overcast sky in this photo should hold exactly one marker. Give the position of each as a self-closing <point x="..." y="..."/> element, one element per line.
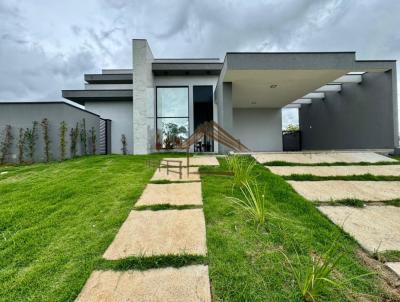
<point x="47" y="45"/>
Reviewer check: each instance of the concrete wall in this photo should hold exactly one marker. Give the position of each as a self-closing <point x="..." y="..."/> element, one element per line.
<point x="359" y="117"/>
<point x="120" y="114"/>
<point x="23" y="114"/>
<point x="143" y="98"/>
<point x="258" y="129"/>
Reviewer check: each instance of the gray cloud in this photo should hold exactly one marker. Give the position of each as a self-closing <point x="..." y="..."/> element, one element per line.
<point x="45" y="46"/>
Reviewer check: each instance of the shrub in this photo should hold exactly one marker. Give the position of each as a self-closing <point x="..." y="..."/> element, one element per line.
<point x="92" y="133"/>
<point x="241" y="167"/>
<point x="83" y="136"/>
<point x="124" y="144"/>
<point x="31" y="137"/>
<point x="252" y="201"/>
<point x="5" y="144"/>
<point x="21" y="145"/>
<point x="313" y="276"/>
<point x="63" y="131"/>
<point x="74" y="133"/>
<point x="46" y="140"/>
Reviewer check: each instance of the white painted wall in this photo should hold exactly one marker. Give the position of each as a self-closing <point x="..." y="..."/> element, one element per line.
<point x="258" y="129"/>
<point x="120" y="114"/>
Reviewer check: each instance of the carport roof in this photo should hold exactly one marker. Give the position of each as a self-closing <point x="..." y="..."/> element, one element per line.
<point x="273" y="80"/>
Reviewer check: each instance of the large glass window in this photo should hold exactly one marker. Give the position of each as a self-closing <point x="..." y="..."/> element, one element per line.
<point x="172" y="116"/>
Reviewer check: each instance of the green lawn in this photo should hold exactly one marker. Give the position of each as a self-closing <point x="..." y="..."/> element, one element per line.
<point x="57" y="219"/>
<point x="247" y="264"/>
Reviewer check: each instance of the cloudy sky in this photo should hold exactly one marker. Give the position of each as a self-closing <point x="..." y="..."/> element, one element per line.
<point x="47" y="45"/>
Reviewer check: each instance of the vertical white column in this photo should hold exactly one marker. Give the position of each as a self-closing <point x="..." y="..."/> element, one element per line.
<point x="143" y="98"/>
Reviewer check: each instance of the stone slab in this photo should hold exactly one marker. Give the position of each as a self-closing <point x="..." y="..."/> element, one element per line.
<point x="185" y="284"/>
<point x="173" y="174"/>
<point x="394" y="267"/>
<point x="385" y="170"/>
<point x="168" y="232"/>
<point x="198" y="161"/>
<point x="376" y="228"/>
<point x="321" y="157"/>
<point x="340" y="189"/>
<point x="174" y="194"/>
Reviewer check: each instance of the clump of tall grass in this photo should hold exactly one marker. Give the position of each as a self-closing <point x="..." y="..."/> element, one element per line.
<point x="252" y="202"/>
<point x="241" y="167"/>
<point x="314" y="277"/>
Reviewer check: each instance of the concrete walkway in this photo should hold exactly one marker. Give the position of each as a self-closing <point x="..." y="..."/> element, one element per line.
<point x="375" y="227"/>
<point x="158" y="233"/>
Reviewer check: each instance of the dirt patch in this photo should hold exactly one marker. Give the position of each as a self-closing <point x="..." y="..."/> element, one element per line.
<point x="186" y="284"/>
<point x="173" y="174"/>
<point x="376" y="228"/>
<point x="148" y="233"/>
<point x="173" y="194"/>
<point x="198" y="161"/>
<point x="340" y="189"/>
<point x="388" y="279"/>
<point x="321" y="157"/>
<point x="385" y="170"/>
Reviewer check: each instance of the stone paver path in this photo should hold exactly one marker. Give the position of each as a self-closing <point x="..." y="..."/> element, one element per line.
<point x="385" y="170"/>
<point x="173" y="194"/>
<point x="150" y="233"/>
<point x="376" y="228"/>
<point x="341" y="189"/>
<point x="186" y="284"/>
<point x="162" y="233"/>
<point x="321" y="157"/>
<point x="394" y="267"/>
<point x="161" y="174"/>
<point x="198" y="161"/>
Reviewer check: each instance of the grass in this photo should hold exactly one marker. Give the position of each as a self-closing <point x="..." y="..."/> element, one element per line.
<point x="351" y="202"/>
<point x="57" y="219"/>
<point x="364" y="177"/>
<point x="247" y="264"/>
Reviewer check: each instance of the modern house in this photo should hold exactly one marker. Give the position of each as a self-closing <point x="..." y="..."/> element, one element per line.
<point x="343" y="103"/>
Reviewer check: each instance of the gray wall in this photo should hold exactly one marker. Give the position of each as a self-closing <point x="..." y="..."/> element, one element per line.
<point x="258" y="129"/>
<point x="120" y="114"/>
<point x="359" y="117"/>
<point x="22" y="115"/>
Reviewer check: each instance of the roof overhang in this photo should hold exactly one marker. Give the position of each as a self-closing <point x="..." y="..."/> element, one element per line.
<point x="192" y="68"/>
<point x="83" y="96"/>
<point x="274" y="80"/>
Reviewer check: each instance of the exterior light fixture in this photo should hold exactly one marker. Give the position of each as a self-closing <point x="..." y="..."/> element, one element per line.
<point x="273" y="86"/>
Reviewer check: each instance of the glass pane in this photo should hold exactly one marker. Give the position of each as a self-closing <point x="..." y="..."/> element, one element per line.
<point x="171" y="132"/>
<point x="172" y="102"/>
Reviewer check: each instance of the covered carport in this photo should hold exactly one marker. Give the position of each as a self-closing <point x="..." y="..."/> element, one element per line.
<point x="338" y="99"/>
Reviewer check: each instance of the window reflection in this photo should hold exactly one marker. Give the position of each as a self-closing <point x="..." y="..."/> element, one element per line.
<point x="172" y="116"/>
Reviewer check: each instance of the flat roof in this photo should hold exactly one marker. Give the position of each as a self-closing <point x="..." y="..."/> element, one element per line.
<point x="82" y="96"/>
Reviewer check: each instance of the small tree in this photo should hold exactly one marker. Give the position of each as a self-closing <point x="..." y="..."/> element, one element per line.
<point x="46" y="140"/>
<point x="292" y="128"/>
<point x="83" y="136"/>
<point x="21" y="145"/>
<point x="31" y="137"/>
<point x="63" y="131"/>
<point x="5" y="144"/>
<point x="124" y="144"/>
<point x="92" y="133"/>
<point x="74" y="139"/>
